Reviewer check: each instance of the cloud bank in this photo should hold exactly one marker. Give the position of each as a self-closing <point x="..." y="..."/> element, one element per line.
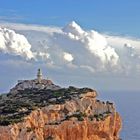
<point x="71" y="44"/>
<point x="70" y="50"/>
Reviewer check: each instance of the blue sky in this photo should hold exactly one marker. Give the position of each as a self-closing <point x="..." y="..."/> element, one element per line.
<point x="118" y="17"/>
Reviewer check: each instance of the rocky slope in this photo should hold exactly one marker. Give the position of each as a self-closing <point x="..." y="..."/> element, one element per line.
<point x="57" y="114"/>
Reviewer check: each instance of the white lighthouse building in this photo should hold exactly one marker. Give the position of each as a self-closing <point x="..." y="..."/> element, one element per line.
<point x="39" y="76"/>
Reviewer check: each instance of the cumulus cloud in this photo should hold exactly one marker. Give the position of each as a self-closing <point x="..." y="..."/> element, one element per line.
<point x="71" y="46"/>
<point x="94" y="42"/>
<point x="14" y="44"/>
<point x="71" y="55"/>
<point x="88" y="48"/>
<point x="68" y="57"/>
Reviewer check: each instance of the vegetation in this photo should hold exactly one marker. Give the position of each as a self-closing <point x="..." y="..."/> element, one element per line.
<point x="29" y="129"/>
<point x="14" y="107"/>
<point x="49" y="138"/>
<point x="99" y="117"/>
<point x="79" y="115"/>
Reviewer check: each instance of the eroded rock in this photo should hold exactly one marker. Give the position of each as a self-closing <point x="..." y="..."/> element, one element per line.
<point x="56" y="114"/>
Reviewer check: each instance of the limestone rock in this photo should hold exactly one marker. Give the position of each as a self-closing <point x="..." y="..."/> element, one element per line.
<point x="56" y="114"/>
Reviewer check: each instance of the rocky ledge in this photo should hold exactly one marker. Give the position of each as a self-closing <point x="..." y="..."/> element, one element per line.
<point x="57" y="114"/>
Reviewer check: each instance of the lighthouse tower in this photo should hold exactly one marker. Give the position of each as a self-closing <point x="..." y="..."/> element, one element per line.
<point x="39" y="76"/>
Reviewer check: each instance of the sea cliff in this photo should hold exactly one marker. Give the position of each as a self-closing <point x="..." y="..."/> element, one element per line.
<point x="53" y="113"/>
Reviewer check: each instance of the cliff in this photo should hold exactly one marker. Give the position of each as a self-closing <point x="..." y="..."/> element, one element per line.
<point x="57" y="114"/>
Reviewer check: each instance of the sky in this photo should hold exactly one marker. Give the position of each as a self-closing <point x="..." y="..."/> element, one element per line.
<point x="121" y="16"/>
<point x="94" y="43"/>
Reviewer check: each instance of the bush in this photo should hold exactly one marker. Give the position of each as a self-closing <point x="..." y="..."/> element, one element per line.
<point x="49" y="138"/>
<point x="29" y="129"/>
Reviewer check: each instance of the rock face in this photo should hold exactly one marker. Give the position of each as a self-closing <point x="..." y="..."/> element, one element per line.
<point x="34" y="84"/>
<point x="60" y="114"/>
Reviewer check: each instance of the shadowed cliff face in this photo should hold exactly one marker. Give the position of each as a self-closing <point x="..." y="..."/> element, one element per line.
<point x="57" y="114"/>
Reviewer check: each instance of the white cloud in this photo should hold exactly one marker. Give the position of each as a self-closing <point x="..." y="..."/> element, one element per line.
<point x="54" y="46"/>
<point x="28" y="27"/>
<point x="68" y="57"/>
<point x="71" y="51"/>
<point x="93" y="42"/>
<point x="73" y="29"/>
<point x="14" y="44"/>
<point x="119" y="41"/>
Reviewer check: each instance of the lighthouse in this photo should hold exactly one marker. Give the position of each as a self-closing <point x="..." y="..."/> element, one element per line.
<point x="39" y="76"/>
